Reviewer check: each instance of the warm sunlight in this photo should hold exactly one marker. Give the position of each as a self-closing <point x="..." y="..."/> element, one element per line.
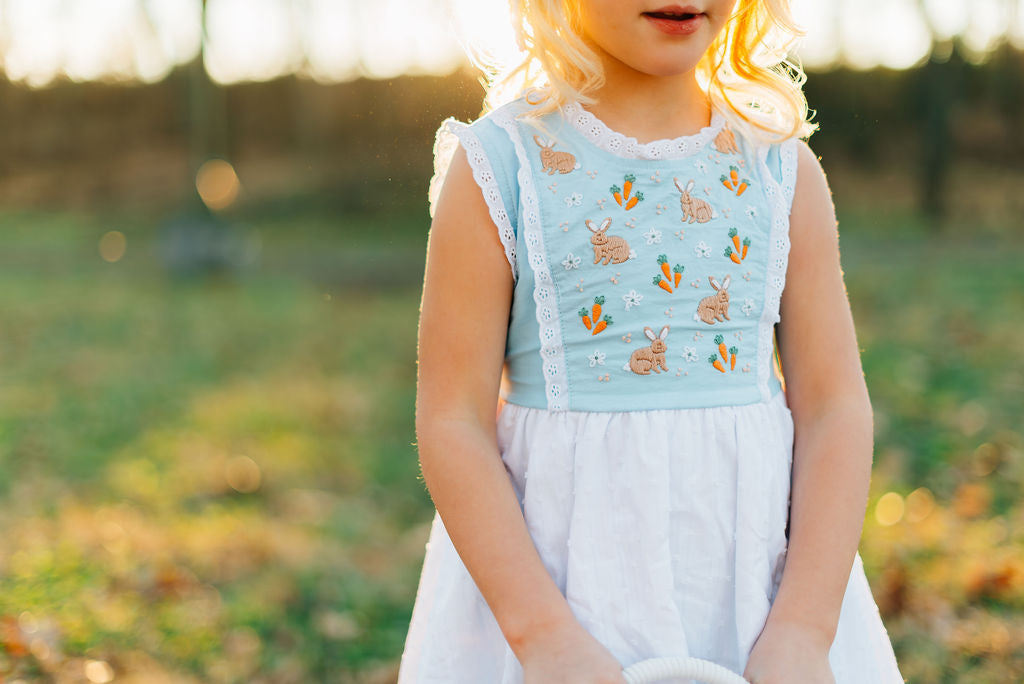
<point x="337" y="41"/>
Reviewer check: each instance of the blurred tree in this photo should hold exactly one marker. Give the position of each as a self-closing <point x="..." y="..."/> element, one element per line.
<point x="935" y="97"/>
<point x="198" y="239"/>
<point x="207" y="116"/>
<point x="939" y="82"/>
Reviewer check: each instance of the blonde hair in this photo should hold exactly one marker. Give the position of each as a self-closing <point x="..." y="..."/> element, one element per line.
<point x="745" y="72"/>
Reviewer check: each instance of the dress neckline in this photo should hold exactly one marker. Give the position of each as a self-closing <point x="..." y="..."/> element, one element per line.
<point x="603" y="136"/>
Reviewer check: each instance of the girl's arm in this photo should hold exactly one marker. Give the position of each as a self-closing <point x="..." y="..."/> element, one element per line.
<point x="826" y="391"/>
<point x="464" y="317"/>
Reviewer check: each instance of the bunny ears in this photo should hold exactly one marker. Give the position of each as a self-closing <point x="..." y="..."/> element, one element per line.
<point x="650" y="333"/>
<point x="725" y="282"/>
<point x="688" y="188"/>
<point x="543" y="144"/>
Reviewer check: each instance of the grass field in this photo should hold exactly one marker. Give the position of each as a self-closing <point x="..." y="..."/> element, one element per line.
<point x="215" y="479"/>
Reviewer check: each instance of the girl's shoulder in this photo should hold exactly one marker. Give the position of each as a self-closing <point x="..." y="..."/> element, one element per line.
<point x="488" y="147"/>
<point x="492" y="157"/>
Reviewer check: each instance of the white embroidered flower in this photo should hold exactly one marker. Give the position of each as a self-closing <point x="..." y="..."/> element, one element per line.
<point x="750" y="212"/>
<point x="701" y="166"/>
<point x="632" y="298"/>
<point x="748" y="306"/>
<point x="571" y="261"/>
<point x="597" y="358"/>
<point x="653" y="236"/>
<point x="690" y="354"/>
<point x="702" y="250"/>
<point x="574" y="200"/>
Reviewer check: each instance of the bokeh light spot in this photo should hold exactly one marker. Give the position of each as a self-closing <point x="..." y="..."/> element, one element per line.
<point x="113" y="245"/>
<point x="242" y="474"/>
<point x="920" y="504"/>
<point x="217" y="184"/>
<point x="889" y="509"/>
<point x="985" y="459"/>
<point x="98" y="671"/>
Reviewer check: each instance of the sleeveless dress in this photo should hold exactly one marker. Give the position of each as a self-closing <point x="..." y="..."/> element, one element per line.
<point x="642" y="419"/>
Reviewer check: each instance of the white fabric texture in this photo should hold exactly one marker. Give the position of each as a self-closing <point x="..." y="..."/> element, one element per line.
<point x="781" y="193"/>
<point x="451" y="133"/>
<point x="544" y="291"/>
<point x="664" y="530"/>
<point x="629" y="147"/>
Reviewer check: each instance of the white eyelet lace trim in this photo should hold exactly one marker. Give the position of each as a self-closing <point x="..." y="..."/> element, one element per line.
<point x="556" y="384"/>
<point x="781" y="197"/>
<point x="616" y="143"/>
<point x="449" y="135"/>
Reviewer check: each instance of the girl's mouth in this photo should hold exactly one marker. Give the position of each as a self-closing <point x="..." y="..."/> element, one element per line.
<point x="675" y="20"/>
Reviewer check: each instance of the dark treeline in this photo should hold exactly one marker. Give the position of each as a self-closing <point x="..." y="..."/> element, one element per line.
<point x="363" y="144"/>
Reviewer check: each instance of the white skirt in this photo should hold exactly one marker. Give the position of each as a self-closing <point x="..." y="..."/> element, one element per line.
<point x="664" y="529"/>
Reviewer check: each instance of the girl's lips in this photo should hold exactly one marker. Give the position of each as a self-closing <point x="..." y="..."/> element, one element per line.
<point x="676" y="27"/>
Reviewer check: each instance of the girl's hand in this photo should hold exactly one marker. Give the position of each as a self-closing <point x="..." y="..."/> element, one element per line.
<point x="569" y="654"/>
<point x="790" y="653"/>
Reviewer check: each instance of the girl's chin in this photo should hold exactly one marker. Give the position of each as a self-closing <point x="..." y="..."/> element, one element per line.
<point x="665" y="66"/>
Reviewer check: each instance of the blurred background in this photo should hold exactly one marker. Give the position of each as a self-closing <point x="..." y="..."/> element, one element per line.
<point x="213" y="222"/>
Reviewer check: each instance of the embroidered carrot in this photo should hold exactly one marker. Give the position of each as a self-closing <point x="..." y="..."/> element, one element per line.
<point x="585" y="317"/>
<point x="734" y="174"/>
<point x="743" y="186"/>
<point x="596" y="313"/>
<point x="638" y="197"/>
<point x="627" y="184"/>
<point x="678" y="272"/>
<point x="663" y="260"/>
<point x="720" y="341"/>
<point x="746" y="243"/>
<point x="617" y="194"/>
<point x="734" y="234"/>
<point x="732" y="363"/>
<point x="732" y="255"/>
<point x="663" y="284"/>
<point x="713" y="360"/>
<point x="727" y="183"/>
<point x="602" y="324"/>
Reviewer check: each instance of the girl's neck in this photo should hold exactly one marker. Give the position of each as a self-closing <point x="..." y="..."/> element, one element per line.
<point x="649" y="107"/>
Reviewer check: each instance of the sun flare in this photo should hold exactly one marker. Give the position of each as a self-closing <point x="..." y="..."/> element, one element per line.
<point x="333" y="41"/>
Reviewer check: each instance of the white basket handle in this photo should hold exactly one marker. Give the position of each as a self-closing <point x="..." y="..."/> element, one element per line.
<point x="653" y="669"/>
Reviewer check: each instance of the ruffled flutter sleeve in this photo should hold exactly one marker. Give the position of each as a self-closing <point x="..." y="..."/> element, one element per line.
<point x="494" y="164"/>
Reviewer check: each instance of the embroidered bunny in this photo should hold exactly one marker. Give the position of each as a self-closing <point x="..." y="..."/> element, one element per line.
<point x="715" y="307"/>
<point x="562" y="162"/>
<point x="644" y="359"/>
<point x="725" y="141"/>
<point x="694" y="208"/>
<point x="609" y="248"/>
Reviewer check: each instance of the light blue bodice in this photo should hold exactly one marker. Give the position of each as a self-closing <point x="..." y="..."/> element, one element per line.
<point x="647" y="276"/>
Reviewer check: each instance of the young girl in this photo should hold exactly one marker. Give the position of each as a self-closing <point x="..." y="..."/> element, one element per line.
<point x="605" y="275"/>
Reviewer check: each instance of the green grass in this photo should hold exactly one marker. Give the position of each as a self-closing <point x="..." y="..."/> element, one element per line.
<point x="215" y="479"/>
